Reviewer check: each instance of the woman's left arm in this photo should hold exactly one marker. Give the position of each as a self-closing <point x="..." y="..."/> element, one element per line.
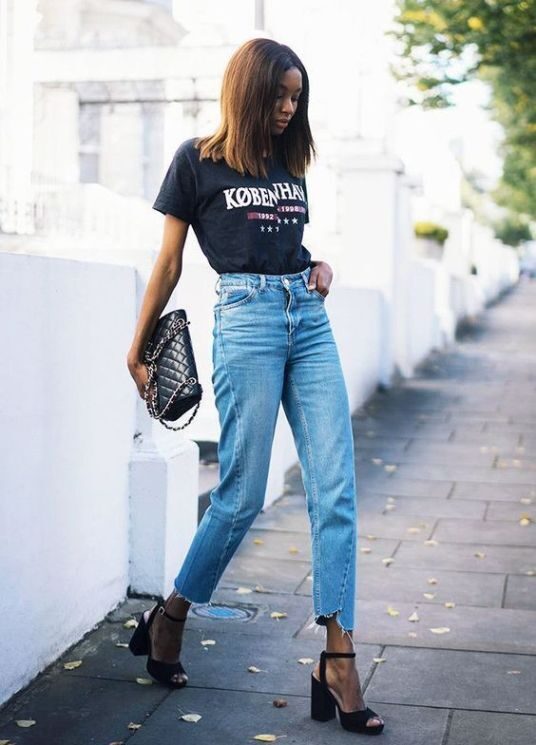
<point x="321" y="277"/>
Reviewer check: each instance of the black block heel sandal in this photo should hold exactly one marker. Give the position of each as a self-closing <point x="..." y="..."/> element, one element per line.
<point x="323" y="702"/>
<point x="140" y="644"/>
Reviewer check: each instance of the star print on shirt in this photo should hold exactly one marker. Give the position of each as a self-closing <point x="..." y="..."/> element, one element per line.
<point x="294" y="220"/>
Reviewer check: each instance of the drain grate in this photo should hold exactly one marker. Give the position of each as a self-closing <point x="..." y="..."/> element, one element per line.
<point x="224" y="612"/>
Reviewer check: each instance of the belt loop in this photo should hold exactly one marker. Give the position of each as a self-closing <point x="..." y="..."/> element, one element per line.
<point x="262" y="281"/>
<point x="216" y="286"/>
<point x="305" y="276"/>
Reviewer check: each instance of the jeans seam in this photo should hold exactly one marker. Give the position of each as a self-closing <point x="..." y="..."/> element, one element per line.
<point x="314" y="487"/>
<point x="238" y="444"/>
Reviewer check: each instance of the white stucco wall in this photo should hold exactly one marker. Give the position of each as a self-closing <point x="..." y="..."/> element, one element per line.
<point x="67" y="420"/>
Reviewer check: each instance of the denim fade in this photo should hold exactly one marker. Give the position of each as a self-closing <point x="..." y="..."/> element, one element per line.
<point x="272" y="344"/>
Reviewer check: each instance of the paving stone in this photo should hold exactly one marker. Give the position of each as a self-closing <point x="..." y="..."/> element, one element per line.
<point x="391" y="525"/>
<point x="74" y="710"/>
<point x="282" y="575"/>
<point x="493" y="492"/>
<point x="446" y="453"/>
<point x="275" y="655"/>
<point x="511" y="511"/>
<point x="408" y="487"/>
<point x="491" y="728"/>
<point x="424" y="508"/>
<point x="409" y="585"/>
<point x="240" y="716"/>
<point x="477" y="531"/>
<point x="520" y="592"/>
<point x="471" y="628"/>
<point x="475" y="681"/>
<point x="486" y="439"/>
<point x="467" y="474"/>
<point x="276" y="544"/>
<point x="498" y="559"/>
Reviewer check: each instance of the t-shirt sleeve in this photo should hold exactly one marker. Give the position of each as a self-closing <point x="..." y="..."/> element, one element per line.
<point x="306" y="216"/>
<point x="178" y="193"/>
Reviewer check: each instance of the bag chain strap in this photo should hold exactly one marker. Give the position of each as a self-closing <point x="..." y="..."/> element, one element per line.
<point x="150" y="358"/>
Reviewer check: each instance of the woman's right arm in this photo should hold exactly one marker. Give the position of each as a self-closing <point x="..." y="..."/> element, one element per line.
<point x="164" y="277"/>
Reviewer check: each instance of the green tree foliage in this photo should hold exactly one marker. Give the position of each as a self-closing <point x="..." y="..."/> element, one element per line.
<point x="446" y="42"/>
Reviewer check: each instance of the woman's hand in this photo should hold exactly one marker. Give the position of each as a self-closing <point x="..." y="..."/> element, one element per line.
<point x="320" y="277"/>
<point x="139" y="372"/>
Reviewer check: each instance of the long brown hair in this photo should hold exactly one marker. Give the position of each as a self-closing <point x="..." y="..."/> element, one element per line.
<point x="248" y="94"/>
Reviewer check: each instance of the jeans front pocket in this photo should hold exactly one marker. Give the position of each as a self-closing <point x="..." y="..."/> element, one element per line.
<point x="317" y="294"/>
<point x="231" y="296"/>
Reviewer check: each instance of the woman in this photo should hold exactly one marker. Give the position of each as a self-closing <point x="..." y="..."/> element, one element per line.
<point x="243" y="191"/>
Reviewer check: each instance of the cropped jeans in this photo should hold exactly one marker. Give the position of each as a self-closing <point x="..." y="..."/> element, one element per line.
<point x="272" y="344"/>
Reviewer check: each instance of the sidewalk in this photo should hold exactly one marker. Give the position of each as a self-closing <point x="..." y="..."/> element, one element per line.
<point x="446" y="468"/>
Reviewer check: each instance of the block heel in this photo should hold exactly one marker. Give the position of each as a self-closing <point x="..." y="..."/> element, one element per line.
<point x="322" y="707"/>
<point x="324" y="704"/>
<point x="140" y="644"/>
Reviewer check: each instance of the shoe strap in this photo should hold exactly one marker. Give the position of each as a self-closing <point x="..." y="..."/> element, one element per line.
<point x="323" y="656"/>
<point x="163" y="612"/>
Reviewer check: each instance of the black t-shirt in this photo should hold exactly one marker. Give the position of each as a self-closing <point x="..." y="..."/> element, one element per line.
<point x="242" y="223"/>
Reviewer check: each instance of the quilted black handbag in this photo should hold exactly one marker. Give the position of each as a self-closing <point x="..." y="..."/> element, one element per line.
<point x="172" y="386"/>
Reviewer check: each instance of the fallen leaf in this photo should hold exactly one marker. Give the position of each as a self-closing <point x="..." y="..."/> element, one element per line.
<point x="277" y="614"/>
<point x="414" y="617"/>
<point x="72" y="665"/>
<point x="413" y="530"/>
<point x="144" y="681"/>
<point x="432" y="581"/>
<point x="391" y="499"/>
<point x="387" y="561"/>
<point x="279" y="703"/>
<point x="429" y="595"/>
<point x="392" y="612"/>
<point x="243" y="590"/>
<point x="208" y="642"/>
<point x="378" y="659"/>
<point x="266" y="738"/>
<point x="133" y="726"/>
<point x="525" y="520"/>
<point x="514" y="672"/>
<point x="253" y="669"/>
<point x="306" y="660"/>
<point x="365" y="550"/>
<point x="294" y="550"/>
<point x="440" y="630"/>
<point x="480" y="554"/>
<point x="121" y="644"/>
<point x="260" y="588"/>
<point x="525" y="500"/>
<point x="191" y="717"/>
<point x="25" y="722"/>
<point x="371" y="537"/>
<point x="389" y="507"/>
<point x="390" y="468"/>
<point x="412" y="634"/>
<point x="115" y="742"/>
<point x="377" y="461"/>
<point x="130" y="624"/>
<point x="530" y="572"/>
<point x="450" y="604"/>
<point x="431" y="542"/>
<point x="258" y="541"/>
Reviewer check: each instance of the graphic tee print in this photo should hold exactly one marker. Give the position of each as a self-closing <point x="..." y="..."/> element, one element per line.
<point x="242" y="223"/>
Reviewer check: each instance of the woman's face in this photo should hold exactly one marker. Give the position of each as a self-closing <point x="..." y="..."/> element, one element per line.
<point x="290" y="87"/>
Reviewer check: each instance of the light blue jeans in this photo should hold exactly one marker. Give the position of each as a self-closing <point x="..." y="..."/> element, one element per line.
<point x="272" y="344"/>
